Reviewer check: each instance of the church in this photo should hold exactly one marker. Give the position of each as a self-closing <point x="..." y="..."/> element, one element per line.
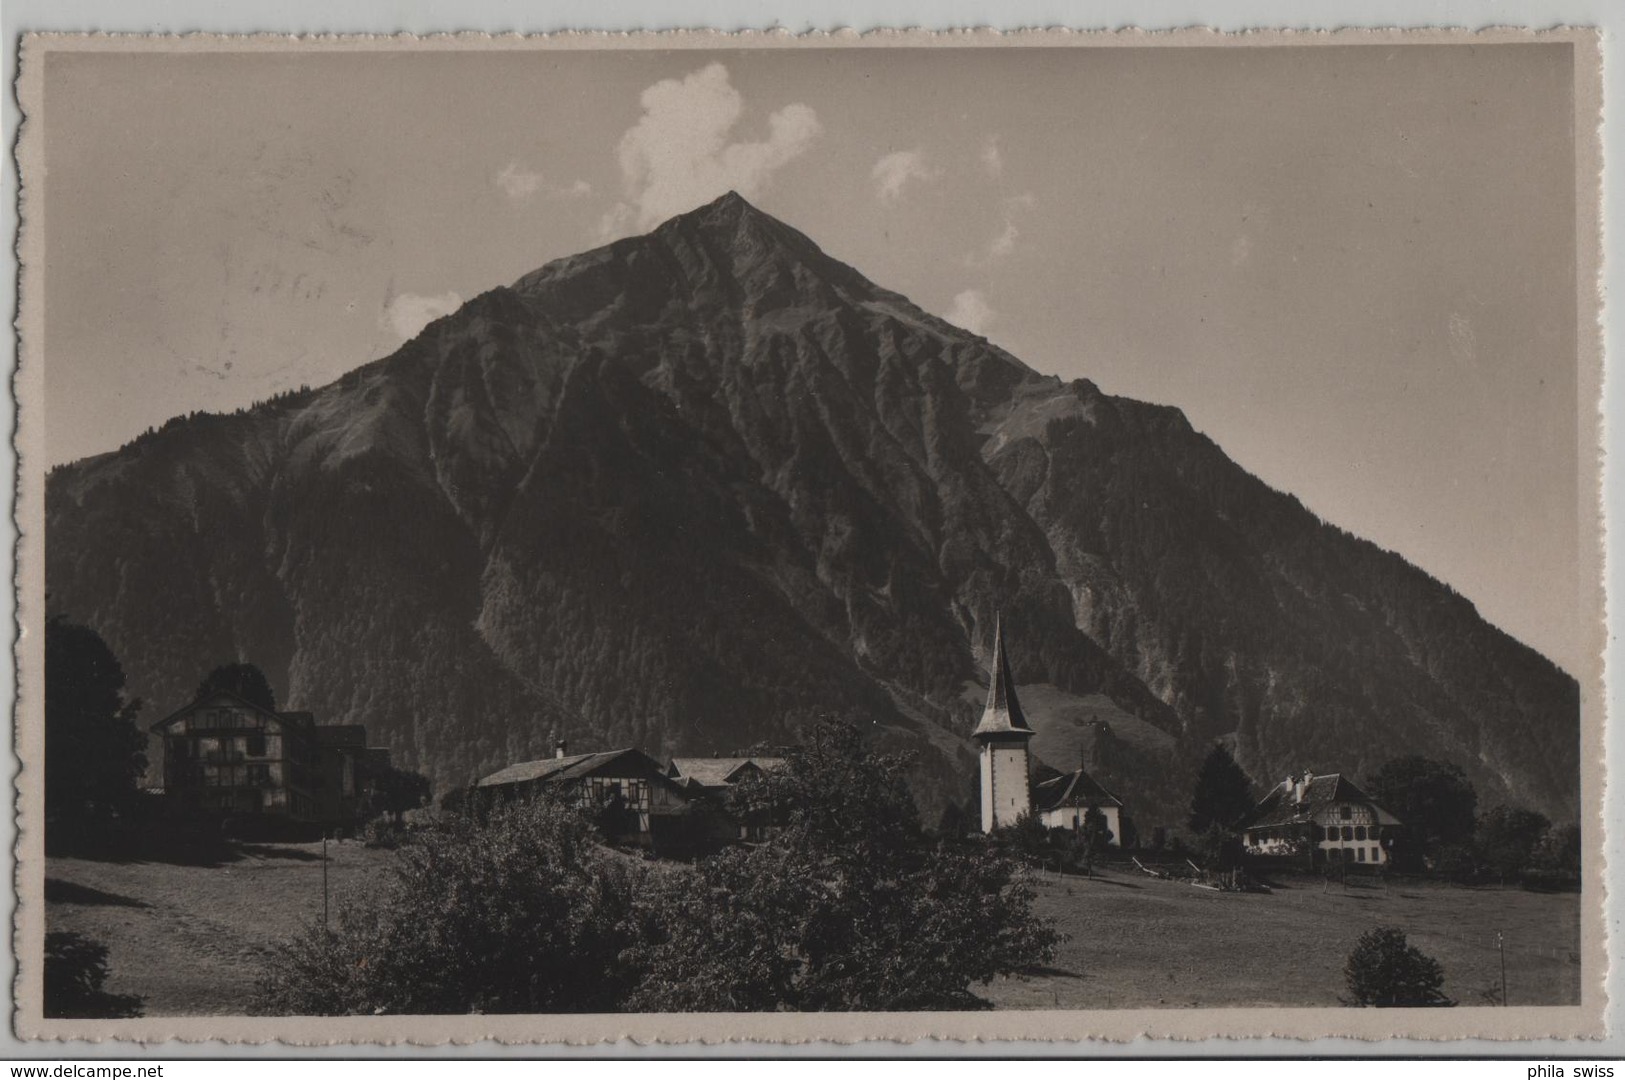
<point x="1007" y="788"/>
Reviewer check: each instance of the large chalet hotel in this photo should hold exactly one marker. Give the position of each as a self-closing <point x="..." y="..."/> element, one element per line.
<point x="227" y="756"/>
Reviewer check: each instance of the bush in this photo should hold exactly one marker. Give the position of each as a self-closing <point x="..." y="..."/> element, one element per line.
<point x="515" y="911"/>
<point x="75" y="969"/>
<point x="1385" y="970"/>
<point x="384" y="833"/>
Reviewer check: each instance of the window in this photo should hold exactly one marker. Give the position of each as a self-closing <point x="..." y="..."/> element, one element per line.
<point x="259" y="774"/>
<point x="1359" y="832"/>
<point x="1348" y="832"/>
<point x="1361" y="852"/>
<point x="256" y="746"/>
<point x="1345" y="812"/>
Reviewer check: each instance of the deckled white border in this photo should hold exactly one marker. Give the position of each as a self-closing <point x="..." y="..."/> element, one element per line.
<point x="1497" y="1023"/>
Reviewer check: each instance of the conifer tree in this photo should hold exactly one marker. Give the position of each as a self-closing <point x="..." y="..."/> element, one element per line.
<point x="1223" y="793"/>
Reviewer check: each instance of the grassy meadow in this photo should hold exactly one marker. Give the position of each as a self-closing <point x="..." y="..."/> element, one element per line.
<point x="189" y="939"/>
<point x="1139" y="942"/>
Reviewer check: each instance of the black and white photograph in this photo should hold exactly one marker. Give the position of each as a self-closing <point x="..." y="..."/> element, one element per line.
<point x="1096" y="531"/>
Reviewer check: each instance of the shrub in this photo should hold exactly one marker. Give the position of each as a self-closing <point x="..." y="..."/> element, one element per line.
<point x="515" y="911"/>
<point x="1385" y="970"/>
<point x="75" y="969"/>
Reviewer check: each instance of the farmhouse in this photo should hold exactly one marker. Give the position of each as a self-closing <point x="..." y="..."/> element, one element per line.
<point x="1063" y="802"/>
<point x="631" y="794"/>
<point x="715" y="775"/>
<point x="227" y="755"/>
<point x="709" y="779"/>
<point x="1320" y="819"/>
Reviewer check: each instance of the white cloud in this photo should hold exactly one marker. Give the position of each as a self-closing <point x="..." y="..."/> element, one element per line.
<point x="897" y="170"/>
<point x="972" y="311"/>
<point x="678" y="155"/>
<point x="521" y="183"/>
<point x="408" y="313"/>
<point x="1004" y="241"/>
<point x="992" y="157"/>
<point x="518" y="183"/>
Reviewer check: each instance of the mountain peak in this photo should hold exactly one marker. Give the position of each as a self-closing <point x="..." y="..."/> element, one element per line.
<point x="731" y="203"/>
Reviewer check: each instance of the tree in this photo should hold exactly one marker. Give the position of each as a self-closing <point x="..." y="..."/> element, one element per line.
<point x="245" y="680"/>
<point x="954" y="823"/>
<point x="1097" y="836"/>
<point x="1507" y="837"/>
<point x="1385" y="970"/>
<point x="1558" y="853"/>
<point x="93" y="749"/>
<point x="848" y="907"/>
<point x="1223" y="793"/>
<point x="396" y="791"/>
<point x="1434" y="799"/>
<point x="513" y="910"/>
<point x="1025" y="839"/>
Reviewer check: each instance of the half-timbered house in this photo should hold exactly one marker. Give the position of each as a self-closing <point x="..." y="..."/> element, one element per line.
<point x="1320" y="819"/>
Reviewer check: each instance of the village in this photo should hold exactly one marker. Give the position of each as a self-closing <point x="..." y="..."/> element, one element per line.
<point x="285" y="802"/>
<point x="260" y="769"/>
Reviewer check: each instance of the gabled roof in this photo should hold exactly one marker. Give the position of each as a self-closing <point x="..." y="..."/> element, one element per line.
<point x="291" y="719"/>
<point x="719" y="772"/>
<point x="1073" y="789"/>
<point x="1003" y="715"/>
<point x="1277" y="808"/>
<point x="553" y="769"/>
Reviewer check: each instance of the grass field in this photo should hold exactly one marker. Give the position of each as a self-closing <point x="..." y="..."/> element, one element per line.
<point x="1137" y="942"/>
<point x="189" y="940"/>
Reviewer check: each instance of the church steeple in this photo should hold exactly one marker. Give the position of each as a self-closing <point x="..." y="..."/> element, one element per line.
<point x="1003" y="713"/>
<point x="1002" y="734"/>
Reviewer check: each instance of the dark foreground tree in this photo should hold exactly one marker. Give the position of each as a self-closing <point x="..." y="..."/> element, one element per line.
<point x="1223" y="794"/>
<point x="847" y="908"/>
<point x="1385" y="970"/>
<point x="93" y="749"/>
<point x="514" y="910"/>
<point x="75" y="970"/>
<point x="245" y="680"/>
<point x="1434" y="799"/>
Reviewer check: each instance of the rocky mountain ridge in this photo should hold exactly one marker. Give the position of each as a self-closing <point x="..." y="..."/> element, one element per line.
<point x="696" y="488"/>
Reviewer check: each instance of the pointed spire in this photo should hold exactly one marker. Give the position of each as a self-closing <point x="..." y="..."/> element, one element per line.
<point x="1003" y="715"/>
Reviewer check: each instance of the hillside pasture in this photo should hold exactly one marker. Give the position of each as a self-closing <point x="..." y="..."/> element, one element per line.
<point x="1139" y="942"/>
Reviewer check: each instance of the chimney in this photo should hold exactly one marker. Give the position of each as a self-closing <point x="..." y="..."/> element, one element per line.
<point x="559" y="748"/>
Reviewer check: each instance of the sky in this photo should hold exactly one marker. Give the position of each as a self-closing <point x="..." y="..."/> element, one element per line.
<point x="1353" y="267"/>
